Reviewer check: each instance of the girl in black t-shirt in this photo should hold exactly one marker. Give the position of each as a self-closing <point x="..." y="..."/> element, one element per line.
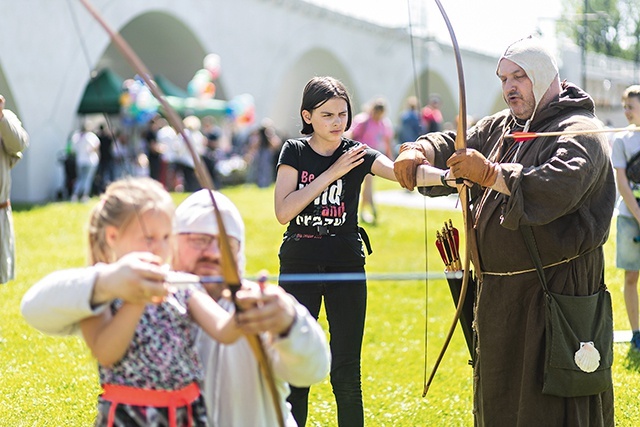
<point x="317" y="190"/>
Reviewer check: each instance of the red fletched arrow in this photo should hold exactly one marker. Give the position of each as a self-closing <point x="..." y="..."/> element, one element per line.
<point x="440" y="246"/>
<point x="525" y="136"/>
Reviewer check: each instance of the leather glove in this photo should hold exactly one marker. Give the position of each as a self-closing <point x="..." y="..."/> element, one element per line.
<point x="471" y="165"/>
<point x="406" y="164"/>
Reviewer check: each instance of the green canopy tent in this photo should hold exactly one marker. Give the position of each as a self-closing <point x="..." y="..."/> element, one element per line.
<point x="197" y="107"/>
<point x="102" y="94"/>
<point x="169" y="88"/>
<point x="185" y="105"/>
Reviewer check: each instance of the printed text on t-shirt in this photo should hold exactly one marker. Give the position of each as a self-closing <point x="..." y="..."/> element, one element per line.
<point x="329" y="209"/>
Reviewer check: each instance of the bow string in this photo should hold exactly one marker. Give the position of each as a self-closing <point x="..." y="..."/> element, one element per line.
<point x="230" y="271"/>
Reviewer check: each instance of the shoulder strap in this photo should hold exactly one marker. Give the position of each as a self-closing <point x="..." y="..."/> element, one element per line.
<point x="631" y="169"/>
<point x="529" y="240"/>
<point x="365" y="238"/>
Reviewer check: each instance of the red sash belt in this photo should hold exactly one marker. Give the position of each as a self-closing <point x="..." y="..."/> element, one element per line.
<point x="5" y="205"/>
<point x="171" y="399"/>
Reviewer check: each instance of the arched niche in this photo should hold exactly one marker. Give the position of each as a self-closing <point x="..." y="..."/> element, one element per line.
<point x="285" y="110"/>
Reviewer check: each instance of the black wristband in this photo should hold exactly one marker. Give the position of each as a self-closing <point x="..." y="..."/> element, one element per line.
<point x="286" y="333"/>
<point x="443" y="178"/>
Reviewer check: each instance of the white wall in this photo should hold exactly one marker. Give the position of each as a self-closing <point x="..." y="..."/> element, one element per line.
<point x="269" y="53"/>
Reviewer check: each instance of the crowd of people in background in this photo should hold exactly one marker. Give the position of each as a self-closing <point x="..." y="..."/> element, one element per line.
<point x="102" y="151"/>
<point x="98" y="155"/>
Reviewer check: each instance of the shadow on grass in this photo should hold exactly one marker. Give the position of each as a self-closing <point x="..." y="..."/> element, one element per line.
<point x="632" y="361"/>
<point x="27" y="207"/>
<point x="23" y="207"/>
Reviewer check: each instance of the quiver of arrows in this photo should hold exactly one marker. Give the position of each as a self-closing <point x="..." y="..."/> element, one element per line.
<point x="448" y="244"/>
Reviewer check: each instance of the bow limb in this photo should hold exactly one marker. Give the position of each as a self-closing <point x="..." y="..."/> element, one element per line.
<point x="171" y="115"/>
<point x="463" y="191"/>
<point x="229" y="266"/>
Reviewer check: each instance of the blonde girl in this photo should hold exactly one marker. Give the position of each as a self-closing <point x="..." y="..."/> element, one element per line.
<point x="148" y="367"/>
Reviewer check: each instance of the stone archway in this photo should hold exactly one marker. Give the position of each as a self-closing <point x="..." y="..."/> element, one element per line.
<point x="285" y="110"/>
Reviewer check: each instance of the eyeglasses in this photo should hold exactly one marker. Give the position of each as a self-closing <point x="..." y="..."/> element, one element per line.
<point x="199" y="241"/>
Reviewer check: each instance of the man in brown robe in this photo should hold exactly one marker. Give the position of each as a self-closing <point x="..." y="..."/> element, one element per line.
<point x="561" y="186"/>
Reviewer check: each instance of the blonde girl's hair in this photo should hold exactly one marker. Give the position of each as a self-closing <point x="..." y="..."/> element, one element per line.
<point x="123" y="202"/>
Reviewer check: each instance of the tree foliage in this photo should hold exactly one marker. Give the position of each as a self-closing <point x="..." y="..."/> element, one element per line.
<point x="611" y="27"/>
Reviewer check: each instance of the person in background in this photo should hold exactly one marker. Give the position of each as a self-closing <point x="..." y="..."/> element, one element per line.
<point x="432" y="120"/>
<point x="563" y="188"/>
<point x="295" y="343"/>
<point x="106" y="169"/>
<point x="263" y="147"/>
<point x="375" y="130"/>
<point x="318" y="182"/>
<point x="122" y="154"/>
<point x="625" y="146"/>
<point x="166" y="140"/>
<point x="154" y="149"/>
<point x="410" y="125"/>
<point x="213" y="154"/>
<point x="183" y="162"/>
<point x="13" y="141"/>
<point x="86" y="145"/>
<point x="69" y="164"/>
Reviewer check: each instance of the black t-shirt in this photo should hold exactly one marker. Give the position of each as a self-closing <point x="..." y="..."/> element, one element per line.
<point x="150" y="137"/>
<point x="106" y="143"/>
<point x="326" y="231"/>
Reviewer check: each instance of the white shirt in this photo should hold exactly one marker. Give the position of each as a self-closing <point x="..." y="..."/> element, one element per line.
<point x="625" y="145"/>
<point x="235" y="391"/>
<point x="86" y="145"/>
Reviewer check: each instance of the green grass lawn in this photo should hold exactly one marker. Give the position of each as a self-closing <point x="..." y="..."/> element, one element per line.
<point x="52" y="381"/>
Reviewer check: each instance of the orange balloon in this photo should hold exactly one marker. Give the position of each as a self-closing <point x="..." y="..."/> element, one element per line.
<point x="209" y="90"/>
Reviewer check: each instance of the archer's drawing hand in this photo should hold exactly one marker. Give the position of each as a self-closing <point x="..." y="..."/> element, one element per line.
<point x="471" y="165"/>
<point x="406" y="164"/>
<point x="270" y="310"/>
<point x="137" y="278"/>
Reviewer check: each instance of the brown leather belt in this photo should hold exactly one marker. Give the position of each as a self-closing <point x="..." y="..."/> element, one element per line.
<point x="5" y="204"/>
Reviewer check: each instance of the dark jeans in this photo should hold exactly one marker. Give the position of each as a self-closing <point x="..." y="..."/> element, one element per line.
<point x="190" y="181"/>
<point x="155" y="167"/>
<point x="345" y="306"/>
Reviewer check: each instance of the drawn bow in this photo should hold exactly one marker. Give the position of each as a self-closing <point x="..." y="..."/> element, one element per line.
<point x="230" y="271"/>
<point x="464" y="194"/>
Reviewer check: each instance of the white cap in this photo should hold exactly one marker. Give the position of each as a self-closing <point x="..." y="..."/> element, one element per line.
<point x="532" y="56"/>
<point x="196" y="215"/>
